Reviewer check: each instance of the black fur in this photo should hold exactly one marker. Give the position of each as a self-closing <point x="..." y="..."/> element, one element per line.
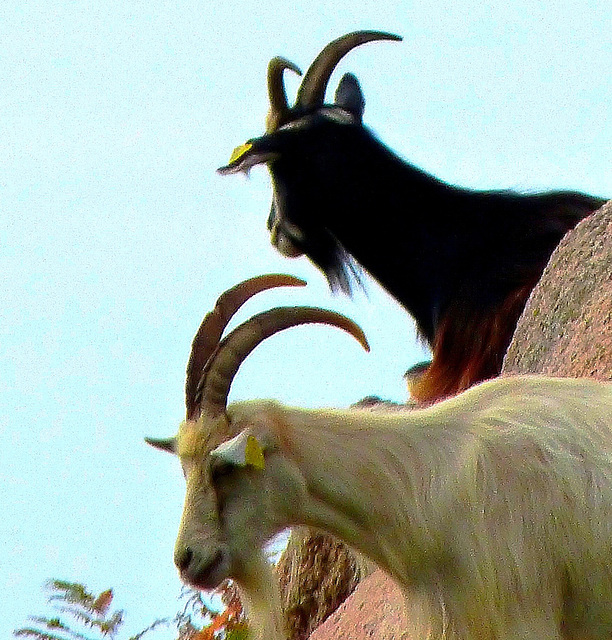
<point x="343" y="196"/>
<point x="426" y="242"/>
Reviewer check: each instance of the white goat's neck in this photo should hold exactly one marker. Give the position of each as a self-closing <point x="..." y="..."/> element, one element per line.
<point x="453" y="501"/>
<point x="261" y="598"/>
<point x="351" y="460"/>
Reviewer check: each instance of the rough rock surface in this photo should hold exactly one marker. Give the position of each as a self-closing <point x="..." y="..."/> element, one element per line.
<point x="374" y="611"/>
<point x="316" y="574"/>
<point x="566" y="327"/>
<point x="565" y="330"/>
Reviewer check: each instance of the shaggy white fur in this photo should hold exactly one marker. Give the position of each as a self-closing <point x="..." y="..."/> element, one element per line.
<point x="492" y="509"/>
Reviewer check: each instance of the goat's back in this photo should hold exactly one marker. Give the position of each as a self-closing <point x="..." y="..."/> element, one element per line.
<point x="535" y="484"/>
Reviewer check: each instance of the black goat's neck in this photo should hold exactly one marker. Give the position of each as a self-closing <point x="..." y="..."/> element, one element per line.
<point x="432" y="246"/>
<point x="399" y="224"/>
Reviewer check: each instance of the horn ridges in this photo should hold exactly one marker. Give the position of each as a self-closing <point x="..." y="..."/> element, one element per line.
<point x="210" y="331"/>
<point x="312" y="89"/>
<point x="234" y="348"/>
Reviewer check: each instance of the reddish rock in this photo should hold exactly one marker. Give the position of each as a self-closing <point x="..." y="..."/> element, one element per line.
<point x="566" y="327"/>
<point x="375" y="611"/>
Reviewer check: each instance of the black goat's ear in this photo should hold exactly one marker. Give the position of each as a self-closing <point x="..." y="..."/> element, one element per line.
<point x="350" y="97"/>
<point x="247" y="155"/>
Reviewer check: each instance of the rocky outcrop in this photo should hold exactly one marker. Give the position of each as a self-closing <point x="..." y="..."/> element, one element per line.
<point x="566" y="327"/>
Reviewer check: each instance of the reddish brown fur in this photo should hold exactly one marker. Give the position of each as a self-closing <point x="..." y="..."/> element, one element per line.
<point x="459" y="359"/>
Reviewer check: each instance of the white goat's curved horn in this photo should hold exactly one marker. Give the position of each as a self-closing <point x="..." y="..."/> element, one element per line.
<point x="312" y="90"/>
<point x="208" y="335"/>
<point x="235" y="347"/>
<point x="279" y="109"/>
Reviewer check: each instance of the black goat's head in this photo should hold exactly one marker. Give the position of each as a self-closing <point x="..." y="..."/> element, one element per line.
<point x="300" y="147"/>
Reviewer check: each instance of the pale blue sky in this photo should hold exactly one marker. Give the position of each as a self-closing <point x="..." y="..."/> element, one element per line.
<point x="116" y="235"/>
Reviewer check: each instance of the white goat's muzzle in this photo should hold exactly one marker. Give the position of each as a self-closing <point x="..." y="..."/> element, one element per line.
<point x="202" y="569"/>
<point x="200" y="555"/>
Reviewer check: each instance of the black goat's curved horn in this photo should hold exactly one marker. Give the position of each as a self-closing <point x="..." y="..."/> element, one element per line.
<point x="234" y="348"/>
<point x="312" y="90"/>
<point x="276" y="91"/>
<point x="209" y="334"/>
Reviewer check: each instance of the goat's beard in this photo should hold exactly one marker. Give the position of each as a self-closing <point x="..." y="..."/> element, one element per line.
<point x="319" y="244"/>
<point x="339" y="267"/>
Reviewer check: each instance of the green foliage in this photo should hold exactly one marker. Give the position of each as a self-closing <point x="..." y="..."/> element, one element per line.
<point x="95" y="620"/>
<point x="91" y="612"/>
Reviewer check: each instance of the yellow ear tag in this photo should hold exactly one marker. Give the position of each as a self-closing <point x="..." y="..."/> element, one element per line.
<point x="239" y="151"/>
<point x="253" y="454"/>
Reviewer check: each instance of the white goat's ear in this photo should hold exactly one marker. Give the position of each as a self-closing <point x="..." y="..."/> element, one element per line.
<point x="243" y="450"/>
<point x="163" y="444"/>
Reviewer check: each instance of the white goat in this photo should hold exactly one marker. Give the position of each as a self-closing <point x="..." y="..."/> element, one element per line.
<point x="493" y="509"/>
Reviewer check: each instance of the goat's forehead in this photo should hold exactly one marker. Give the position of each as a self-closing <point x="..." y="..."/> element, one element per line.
<point x="337" y="114"/>
<point x="327" y="112"/>
<point x="196" y="439"/>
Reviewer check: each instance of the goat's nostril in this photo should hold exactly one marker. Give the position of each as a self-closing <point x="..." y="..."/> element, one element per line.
<point x="201" y="572"/>
<point x="183" y="558"/>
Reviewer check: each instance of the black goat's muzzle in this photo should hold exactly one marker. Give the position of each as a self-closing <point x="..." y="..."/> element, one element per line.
<point x="287" y="239"/>
<point x="285" y="236"/>
<point x="244" y="157"/>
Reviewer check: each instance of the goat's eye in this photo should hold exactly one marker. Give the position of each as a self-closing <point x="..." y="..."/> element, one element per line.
<point x="220" y="469"/>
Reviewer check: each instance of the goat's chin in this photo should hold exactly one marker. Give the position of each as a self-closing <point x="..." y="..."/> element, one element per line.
<point x="284" y="244"/>
<point x="288" y="249"/>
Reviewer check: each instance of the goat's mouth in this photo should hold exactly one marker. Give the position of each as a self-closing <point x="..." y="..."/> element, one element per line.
<point x="244" y="157"/>
<point x="206" y="573"/>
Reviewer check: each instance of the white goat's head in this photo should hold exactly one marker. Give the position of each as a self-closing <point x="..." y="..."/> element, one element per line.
<point x="216" y="542"/>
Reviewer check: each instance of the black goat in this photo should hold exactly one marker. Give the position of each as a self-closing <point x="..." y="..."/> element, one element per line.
<point x="462" y="262"/>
